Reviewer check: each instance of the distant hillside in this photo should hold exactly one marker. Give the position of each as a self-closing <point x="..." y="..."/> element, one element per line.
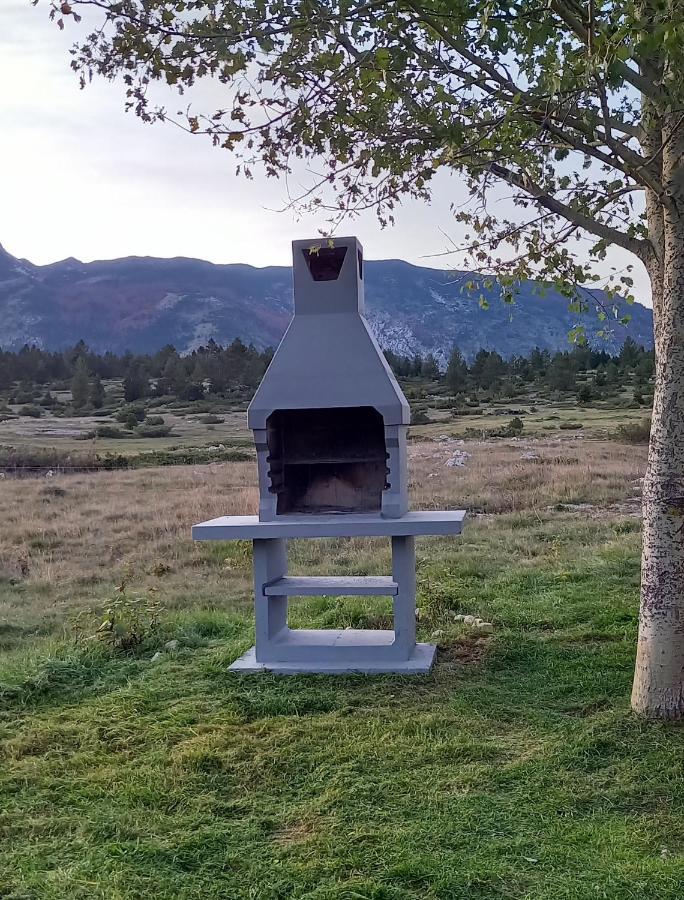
<point x="143" y="303"/>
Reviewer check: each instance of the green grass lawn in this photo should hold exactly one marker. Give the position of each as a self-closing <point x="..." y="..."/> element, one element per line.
<point x="515" y="770"/>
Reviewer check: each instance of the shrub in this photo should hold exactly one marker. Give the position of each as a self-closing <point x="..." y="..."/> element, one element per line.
<point x="419" y="417"/>
<point x="192" y="392"/>
<point x="153" y="431"/>
<point x="512" y="429"/>
<point x="35" y="412"/>
<point x="22" y="397"/>
<point x="130" y="620"/>
<point x="154" y="420"/>
<point x="570" y="426"/>
<point x="635" y="432"/>
<point x="584" y="394"/>
<point x="211" y="420"/>
<point x="34" y="458"/>
<point x="109" y="431"/>
<point x="131" y="414"/>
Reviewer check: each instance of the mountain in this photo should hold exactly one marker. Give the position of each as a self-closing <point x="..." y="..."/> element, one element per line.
<point x="142" y="303"/>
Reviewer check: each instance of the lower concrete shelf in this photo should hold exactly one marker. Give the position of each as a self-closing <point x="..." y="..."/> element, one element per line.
<point x="332" y="586"/>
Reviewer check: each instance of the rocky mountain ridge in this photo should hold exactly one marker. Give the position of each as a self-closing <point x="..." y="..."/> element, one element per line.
<point x="142" y="303"/>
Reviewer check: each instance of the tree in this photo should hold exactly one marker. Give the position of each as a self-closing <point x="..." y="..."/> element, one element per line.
<point x="457" y="372"/>
<point x="80" y="384"/>
<point x="430" y="368"/>
<point x="561" y="374"/>
<point x="97" y="392"/>
<point x="630" y="354"/>
<point x="136" y="384"/>
<point x="573" y="108"/>
<point x="175" y="374"/>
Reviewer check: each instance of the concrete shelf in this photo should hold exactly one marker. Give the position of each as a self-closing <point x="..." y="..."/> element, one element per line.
<point x="332" y="586"/>
<point x="427" y="522"/>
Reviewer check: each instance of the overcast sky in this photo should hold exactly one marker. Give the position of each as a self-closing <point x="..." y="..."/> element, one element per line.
<point x="83" y="178"/>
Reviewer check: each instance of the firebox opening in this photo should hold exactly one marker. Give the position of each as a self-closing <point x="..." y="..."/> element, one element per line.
<point x="325" y="263"/>
<point x="327" y="460"/>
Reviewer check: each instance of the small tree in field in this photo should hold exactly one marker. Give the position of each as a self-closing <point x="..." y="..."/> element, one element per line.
<point x="80" y="384"/>
<point x="97" y="392"/>
<point x="136" y="384"/>
<point x="457" y="372"/>
<point x="575" y="109"/>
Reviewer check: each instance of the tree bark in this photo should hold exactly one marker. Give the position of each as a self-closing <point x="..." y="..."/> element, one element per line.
<point x="658" y="690"/>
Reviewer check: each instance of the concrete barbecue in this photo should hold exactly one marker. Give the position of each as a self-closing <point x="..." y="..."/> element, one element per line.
<point x="330" y="422"/>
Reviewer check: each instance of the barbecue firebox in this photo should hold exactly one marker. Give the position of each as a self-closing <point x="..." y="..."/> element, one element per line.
<point x="329" y="423"/>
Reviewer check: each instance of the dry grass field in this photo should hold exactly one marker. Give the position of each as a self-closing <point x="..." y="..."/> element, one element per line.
<point x="67" y="541"/>
<point x="515" y="770"/>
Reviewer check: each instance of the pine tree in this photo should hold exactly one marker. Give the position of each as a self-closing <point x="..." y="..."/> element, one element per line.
<point x="457" y="372"/>
<point x="80" y="384"/>
<point x="136" y="384"/>
<point x="97" y="392"/>
<point x="430" y="367"/>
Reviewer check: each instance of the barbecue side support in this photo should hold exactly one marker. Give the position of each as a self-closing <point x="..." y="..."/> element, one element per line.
<point x="404" y="573"/>
<point x="270" y="563"/>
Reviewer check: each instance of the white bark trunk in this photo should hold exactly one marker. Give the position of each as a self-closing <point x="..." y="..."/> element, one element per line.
<point x="658" y="690"/>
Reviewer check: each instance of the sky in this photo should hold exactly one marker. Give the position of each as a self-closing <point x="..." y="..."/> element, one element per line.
<point x="82" y="178"/>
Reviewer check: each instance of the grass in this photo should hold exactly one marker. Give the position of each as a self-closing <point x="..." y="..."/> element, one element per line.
<point x="515" y="770"/>
<point x="67" y="434"/>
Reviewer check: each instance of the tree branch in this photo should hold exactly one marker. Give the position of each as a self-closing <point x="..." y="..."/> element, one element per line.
<point x="639" y="247"/>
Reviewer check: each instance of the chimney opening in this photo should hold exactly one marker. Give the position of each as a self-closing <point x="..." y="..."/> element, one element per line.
<point x="325" y="263"/>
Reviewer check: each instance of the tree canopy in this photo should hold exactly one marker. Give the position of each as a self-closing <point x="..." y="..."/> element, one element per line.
<point x="554" y="100"/>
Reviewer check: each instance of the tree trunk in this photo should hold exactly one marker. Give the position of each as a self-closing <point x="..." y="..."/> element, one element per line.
<point x="658" y="690"/>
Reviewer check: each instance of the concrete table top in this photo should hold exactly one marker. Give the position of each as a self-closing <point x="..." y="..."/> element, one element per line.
<point x="427" y="522"/>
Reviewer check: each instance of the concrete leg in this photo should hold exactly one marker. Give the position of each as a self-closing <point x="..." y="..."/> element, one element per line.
<point x="270" y="562"/>
<point x="404" y="573"/>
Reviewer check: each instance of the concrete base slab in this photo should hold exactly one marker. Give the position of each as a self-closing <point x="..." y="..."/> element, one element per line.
<point x="419" y="663"/>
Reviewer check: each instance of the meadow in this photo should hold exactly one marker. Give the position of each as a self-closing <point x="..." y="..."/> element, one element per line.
<point x="514" y="770"/>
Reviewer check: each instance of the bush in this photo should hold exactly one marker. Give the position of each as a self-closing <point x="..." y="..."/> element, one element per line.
<point x="515" y="426"/>
<point x="21" y="397"/>
<point x="153" y="431"/>
<point x="419" y="417"/>
<point x="35" y="412"/>
<point x="154" y="420"/>
<point x="192" y="392"/>
<point x="211" y="420"/>
<point x="109" y="431"/>
<point x="512" y="429"/>
<point x="570" y="426"/>
<point x="635" y="432"/>
<point x="131" y="414"/>
<point x="130" y="622"/>
<point x="35" y="458"/>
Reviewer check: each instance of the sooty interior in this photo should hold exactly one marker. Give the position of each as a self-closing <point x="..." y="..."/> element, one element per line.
<point x="327" y="460"/>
